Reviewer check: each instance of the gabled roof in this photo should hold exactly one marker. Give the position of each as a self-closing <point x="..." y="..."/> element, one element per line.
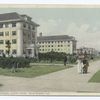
<point x="55" y="38"/>
<point x="15" y="16"/>
<point x="9" y="16"/>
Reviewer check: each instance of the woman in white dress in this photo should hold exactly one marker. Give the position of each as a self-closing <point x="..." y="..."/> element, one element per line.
<point x="79" y="65"/>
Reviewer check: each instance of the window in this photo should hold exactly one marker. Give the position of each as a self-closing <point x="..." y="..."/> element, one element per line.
<point x="1" y="34"/>
<point x="68" y="45"/>
<point x="52" y="46"/>
<point x="61" y="45"/>
<point x="43" y="46"/>
<point x="39" y="42"/>
<point x="14" y="51"/>
<point x="68" y="41"/>
<point x="24" y="25"/>
<point x="58" y="45"/>
<point x="33" y="28"/>
<point x="48" y="45"/>
<point x="6" y="25"/>
<point x="61" y="41"/>
<point x="13" y="32"/>
<point x="42" y="49"/>
<point x="7" y="33"/>
<point x="1" y="41"/>
<point x="14" y="41"/>
<point x="29" y="27"/>
<point x="1" y="25"/>
<point x="6" y="41"/>
<point x="13" y="24"/>
<point x="52" y="41"/>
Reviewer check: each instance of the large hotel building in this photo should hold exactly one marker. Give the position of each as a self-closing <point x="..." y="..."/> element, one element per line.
<point x="21" y="31"/>
<point x="58" y="43"/>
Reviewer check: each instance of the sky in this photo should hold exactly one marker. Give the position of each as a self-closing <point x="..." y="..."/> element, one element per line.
<point x="82" y="23"/>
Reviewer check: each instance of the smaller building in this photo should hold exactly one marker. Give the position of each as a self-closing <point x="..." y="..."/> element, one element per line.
<point x="58" y="43"/>
<point x="86" y="50"/>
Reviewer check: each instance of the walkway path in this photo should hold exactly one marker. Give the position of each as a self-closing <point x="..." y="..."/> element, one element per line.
<point x="67" y="80"/>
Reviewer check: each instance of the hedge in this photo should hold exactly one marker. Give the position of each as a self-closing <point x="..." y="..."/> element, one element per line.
<point x="9" y="62"/>
<point x="57" y="56"/>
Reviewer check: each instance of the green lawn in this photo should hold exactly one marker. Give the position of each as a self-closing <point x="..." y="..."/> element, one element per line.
<point x="33" y="71"/>
<point x="96" y="77"/>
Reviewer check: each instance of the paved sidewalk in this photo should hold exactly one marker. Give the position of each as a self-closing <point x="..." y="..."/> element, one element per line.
<point x="67" y="80"/>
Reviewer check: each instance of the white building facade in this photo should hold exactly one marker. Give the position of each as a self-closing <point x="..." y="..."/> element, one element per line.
<point x="58" y="43"/>
<point x="21" y="31"/>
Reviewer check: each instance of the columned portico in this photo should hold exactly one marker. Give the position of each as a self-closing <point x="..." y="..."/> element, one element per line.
<point x="30" y="51"/>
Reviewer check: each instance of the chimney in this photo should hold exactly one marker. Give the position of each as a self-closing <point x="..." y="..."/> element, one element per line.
<point x="40" y="34"/>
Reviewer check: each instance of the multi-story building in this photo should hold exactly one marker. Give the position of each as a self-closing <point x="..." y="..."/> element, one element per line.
<point x="21" y="31"/>
<point x="58" y="43"/>
<point x="88" y="51"/>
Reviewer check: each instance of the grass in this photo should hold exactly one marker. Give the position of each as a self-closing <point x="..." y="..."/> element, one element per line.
<point x="48" y="61"/>
<point x="96" y="77"/>
<point x="33" y="71"/>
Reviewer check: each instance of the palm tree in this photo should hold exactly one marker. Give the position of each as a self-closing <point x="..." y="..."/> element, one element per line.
<point x="8" y="46"/>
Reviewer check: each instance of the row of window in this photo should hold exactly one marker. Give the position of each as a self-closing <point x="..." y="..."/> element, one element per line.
<point x="7" y="25"/>
<point x="28" y="26"/>
<point x="53" y="46"/>
<point x="7" y="33"/>
<point x="14" y="41"/>
<point x="54" y="42"/>
<point x="50" y="50"/>
<point x="14" y="51"/>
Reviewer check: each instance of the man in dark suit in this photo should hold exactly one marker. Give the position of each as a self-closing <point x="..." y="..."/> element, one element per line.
<point x="86" y="64"/>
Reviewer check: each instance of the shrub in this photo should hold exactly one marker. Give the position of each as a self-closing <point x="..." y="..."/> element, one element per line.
<point x="56" y="56"/>
<point x="8" y="62"/>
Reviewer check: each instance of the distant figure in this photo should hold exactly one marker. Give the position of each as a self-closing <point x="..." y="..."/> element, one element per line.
<point x="65" y="60"/>
<point x="14" y="66"/>
<point x="85" y="66"/>
<point x="79" y="65"/>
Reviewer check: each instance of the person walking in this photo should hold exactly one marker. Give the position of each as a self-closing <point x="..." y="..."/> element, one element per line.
<point x="85" y="64"/>
<point x="65" y="60"/>
<point x="79" y="65"/>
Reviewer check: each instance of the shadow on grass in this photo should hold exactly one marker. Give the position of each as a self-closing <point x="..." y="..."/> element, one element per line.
<point x="1" y="84"/>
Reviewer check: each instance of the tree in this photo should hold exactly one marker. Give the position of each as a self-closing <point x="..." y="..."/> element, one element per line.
<point x="8" y="46"/>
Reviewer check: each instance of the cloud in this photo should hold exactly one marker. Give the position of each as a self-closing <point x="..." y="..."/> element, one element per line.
<point x="51" y="26"/>
<point x="86" y="34"/>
